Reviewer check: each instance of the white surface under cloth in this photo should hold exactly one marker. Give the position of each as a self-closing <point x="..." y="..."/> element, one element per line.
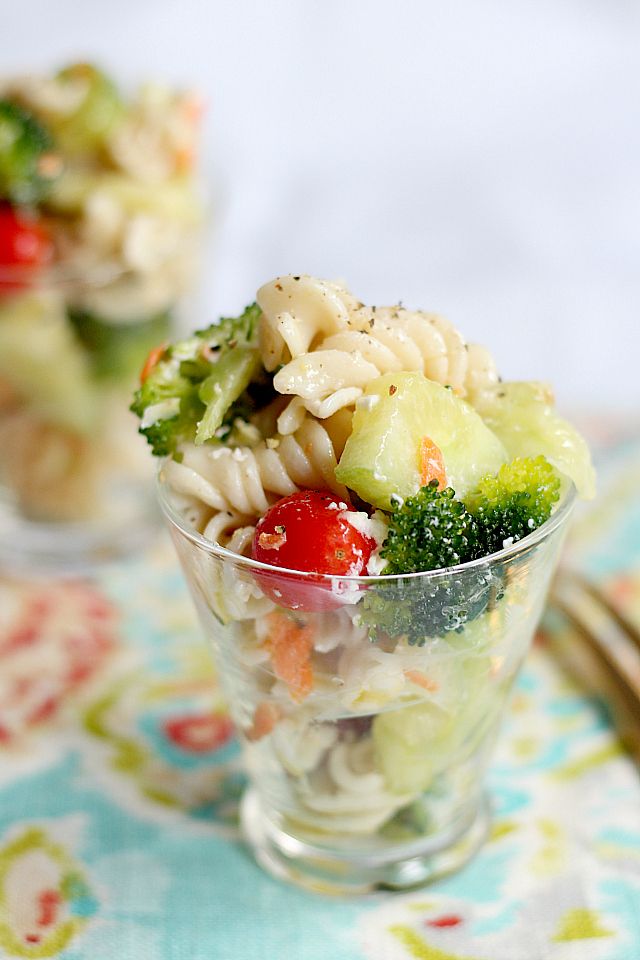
<point x="480" y="159"/>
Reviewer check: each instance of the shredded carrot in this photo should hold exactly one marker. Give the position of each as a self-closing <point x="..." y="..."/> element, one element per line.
<point x="193" y="107"/>
<point x="421" y="680"/>
<point x="290" y="644"/>
<point x="152" y="361"/>
<point x="184" y="158"/>
<point x="431" y="464"/>
<point x="264" y="720"/>
<point x="192" y="111"/>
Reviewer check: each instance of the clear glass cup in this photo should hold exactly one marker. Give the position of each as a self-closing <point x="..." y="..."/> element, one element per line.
<point x="76" y="484"/>
<point x="366" y="753"/>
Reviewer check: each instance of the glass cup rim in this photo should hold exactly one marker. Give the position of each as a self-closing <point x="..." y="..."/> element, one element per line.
<point x="557" y="518"/>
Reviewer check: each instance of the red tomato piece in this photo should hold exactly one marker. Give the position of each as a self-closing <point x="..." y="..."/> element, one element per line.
<point x="25" y="248"/>
<point x="49" y="902"/>
<point x="308" y="531"/>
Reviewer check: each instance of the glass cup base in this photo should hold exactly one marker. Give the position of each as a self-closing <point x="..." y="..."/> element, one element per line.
<point x="72" y="548"/>
<point x="405" y="867"/>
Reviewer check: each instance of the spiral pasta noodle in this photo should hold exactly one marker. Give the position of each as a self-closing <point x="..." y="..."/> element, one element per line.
<point x="226" y="588"/>
<point x="244" y="480"/>
<point x="347" y="792"/>
<point x="334" y="373"/>
<point x="295" y="312"/>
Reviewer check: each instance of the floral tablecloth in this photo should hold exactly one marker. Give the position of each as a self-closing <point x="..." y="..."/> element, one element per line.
<point x="120" y="777"/>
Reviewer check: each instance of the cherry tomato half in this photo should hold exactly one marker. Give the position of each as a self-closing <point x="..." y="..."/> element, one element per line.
<point x="308" y="531"/>
<point x="25" y="248"/>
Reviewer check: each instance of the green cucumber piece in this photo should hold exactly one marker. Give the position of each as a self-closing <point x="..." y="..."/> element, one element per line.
<point x="231" y="376"/>
<point x="101" y="108"/>
<point x="381" y="458"/>
<point x="522" y="415"/>
<point x="44" y="362"/>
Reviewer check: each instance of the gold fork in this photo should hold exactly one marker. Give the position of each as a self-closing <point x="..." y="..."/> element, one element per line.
<point x="601" y="649"/>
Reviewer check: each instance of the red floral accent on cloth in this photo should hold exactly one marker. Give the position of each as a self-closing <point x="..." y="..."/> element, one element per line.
<point x="199" y="734"/>
<point x="448" y="920"/>
<point x="53" y="640"/>
<point x="49" y="902"/>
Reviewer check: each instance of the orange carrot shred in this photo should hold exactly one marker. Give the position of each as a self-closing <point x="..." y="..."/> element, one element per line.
<point x="152" y="361"/>
<point x="431" y="464"/>
<point x="421" y="679"/>
<point x="265" y="718"/>
<point x="290" y="645"/>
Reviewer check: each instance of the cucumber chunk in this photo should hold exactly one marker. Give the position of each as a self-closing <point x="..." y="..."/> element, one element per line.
<point x="523" y="416"/>
<point x="382" y="456"/>
<point x="100" y="109"/>
<point x="411" y="744"/>
<point x="44" y="363"/>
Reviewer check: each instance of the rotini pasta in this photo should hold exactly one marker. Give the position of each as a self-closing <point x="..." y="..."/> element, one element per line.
<point x="231" y="592"/>
<point x="296" y="311"/>
<point x="299" y="746"/>
<point x="227" y="527"/>
<point x="373" y="341"/>
<point x="347" y="793"/>
<point x="245" y="480"/>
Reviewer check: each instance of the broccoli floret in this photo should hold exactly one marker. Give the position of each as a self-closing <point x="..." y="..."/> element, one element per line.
<point x="197" y="380"/>
<point x="433" y="530"/>
<point x="229" y="331"/>
<point x="517" y="500"/>
<point x="429" y="531"/>
<point x="421" y="609"/>
<point x="28" y="164"/>
<point x="177" y="422"/>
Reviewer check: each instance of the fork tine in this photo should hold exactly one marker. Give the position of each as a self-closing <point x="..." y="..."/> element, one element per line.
<point x="610" y="632"/>
<point x="606" y="661"/>
<point x="593" y="666"/>
<point x="626" y="625"/>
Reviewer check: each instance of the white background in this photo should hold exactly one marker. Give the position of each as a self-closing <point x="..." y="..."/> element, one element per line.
<point x="480" y="157"/>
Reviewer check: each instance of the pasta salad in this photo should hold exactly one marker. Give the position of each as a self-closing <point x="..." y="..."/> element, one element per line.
<point x="100" y="219"/>
<point x="325" y="455"/>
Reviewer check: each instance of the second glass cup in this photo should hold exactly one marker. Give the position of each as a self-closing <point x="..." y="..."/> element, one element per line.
<point x="101" y="218"/>
<point x="367" y="724"/>
<point x="75" y="481"/>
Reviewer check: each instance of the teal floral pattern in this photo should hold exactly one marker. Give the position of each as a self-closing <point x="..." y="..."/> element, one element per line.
<point x="120" y="779"/>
